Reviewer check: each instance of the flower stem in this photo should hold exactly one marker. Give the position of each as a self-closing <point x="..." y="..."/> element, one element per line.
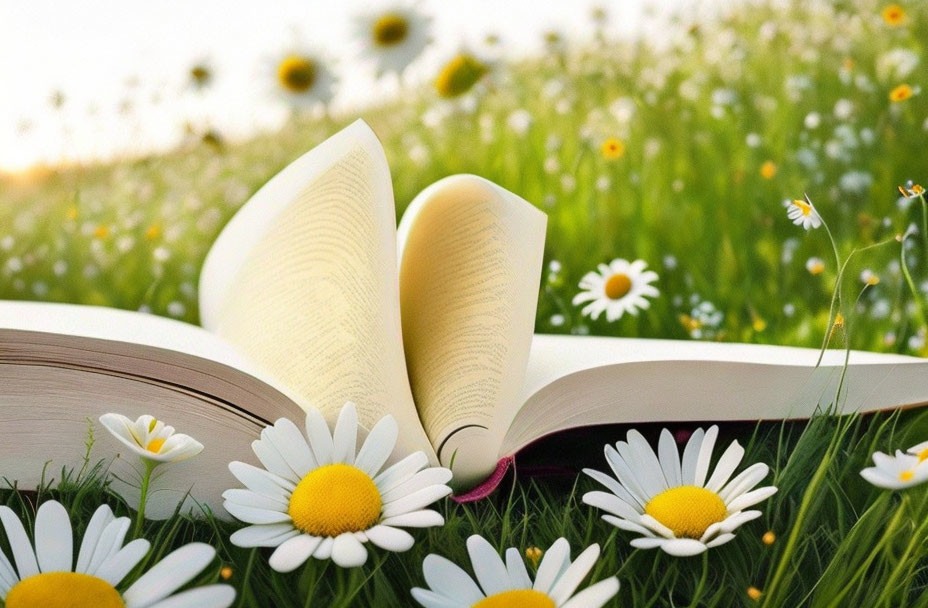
<point x="143" y="497"/>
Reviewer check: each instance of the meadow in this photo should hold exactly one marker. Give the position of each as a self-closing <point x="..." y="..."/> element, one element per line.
<point x="679" y="152"/>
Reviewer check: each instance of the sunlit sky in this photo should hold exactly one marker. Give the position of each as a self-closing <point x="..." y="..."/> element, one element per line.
<point x="123" y="65"/>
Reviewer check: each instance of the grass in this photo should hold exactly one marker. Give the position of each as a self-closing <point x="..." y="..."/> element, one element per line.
<point x="720" y="122"/>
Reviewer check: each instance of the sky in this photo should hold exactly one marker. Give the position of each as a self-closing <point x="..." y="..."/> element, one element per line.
<point x="123" y="65"/>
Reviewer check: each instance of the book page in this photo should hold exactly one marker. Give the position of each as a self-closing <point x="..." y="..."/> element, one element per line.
<point x="575" y="381"/>
<point x="303" y="282"/>
<point x="471" y="256"/>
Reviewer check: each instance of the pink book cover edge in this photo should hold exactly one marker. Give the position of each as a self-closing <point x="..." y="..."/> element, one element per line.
<point x="487" y="487"/>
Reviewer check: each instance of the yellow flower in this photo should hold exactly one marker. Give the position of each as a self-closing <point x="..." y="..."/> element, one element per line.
<point x="72" y="212"/>
<point x="101" y="232"/>
<point x="226" y="573"/>
<point x="911" y="190"/>
<point x="815" y="266"/>
<point x="459" y="75"/>
<point x="613" y="148"/>
<point x="894" y="15"/>
<point x="754" y="593"/>
<point x="901" y="93"/>
<point x="534" y="555"/>
<point x="768" y="170"/>
<point x="759" y="324"/>
<point x="153" y="232"/>
<point x="869" y="277"/>
<point x="769" y="538"/>
<point x="296" y="73"/>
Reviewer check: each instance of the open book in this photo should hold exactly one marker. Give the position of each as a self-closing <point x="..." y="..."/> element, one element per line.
<point x="312" y="296"/>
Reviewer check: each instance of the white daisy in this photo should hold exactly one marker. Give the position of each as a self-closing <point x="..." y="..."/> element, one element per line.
<point x="900" y="471"/>
<point x="151" y="439"/>
<point x="393" y="38"/>
<point x="619" y="287"/>
<point x="675" y="504"/>
<point x="48" y="576"/>
<point x="320" y="498"/>
<point x="803" y="213"/>
<point x="303" y="79"/>
<point x="501" y="584"/>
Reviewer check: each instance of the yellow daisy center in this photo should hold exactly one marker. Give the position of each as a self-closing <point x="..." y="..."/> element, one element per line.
<point x="63" y="590"/>
<point x="893" y="14"/>
<point x="521" y="598"/>
<point x="923" y="455"/>
<point x="296" y="74"/>
<point x="459" y="75"/>
<point x="618" y="286"/>
<point x="906" y="476"/>
<point x="687" y="510"/>
<point x="805" y="207"/>
<point x="391" y="29"/>
<point x="335" y="499"/>
<point x="155" y="445"/>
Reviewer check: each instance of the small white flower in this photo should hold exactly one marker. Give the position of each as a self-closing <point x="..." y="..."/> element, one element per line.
<point x="812" y="120"/>
<point x="151" y="439"/>
<point x="674" y="503"/>
<point x="619" y="287"/>
<point x="393" y="38"/>
<point x="815" y="265"/>
<point x="803" y="213"/>
<point x="302" y="79"/>
<point x="508" y="583"/>
<point x="519" y="121"/>
<point x="45" y="574"/>
<point x="899" y="471"/>
<point x="322" y="498"/>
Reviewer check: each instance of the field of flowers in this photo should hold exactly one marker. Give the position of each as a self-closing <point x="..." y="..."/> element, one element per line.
<point x="686" y="153"/>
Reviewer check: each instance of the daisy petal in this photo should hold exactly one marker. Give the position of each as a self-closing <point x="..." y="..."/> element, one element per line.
<point x="450" y="580"/>
<point x="690" y="456"/>
<point x="20" y="546"/>
<point x="683" y="547"/>
<point x="488" y="565"/>
<point x="705" y="455"/>
<point x="552" y="564"/>
<point x="348" y="552"/>
<point x="264" y="535"/>
<point x="415" y="501"/>
<point x="378" y="446"/>
<point x="208" y="596"/>
<point x="726" y="465"/>
<point x="430" y="599"/>
<point x="117" y="566"/>
<point x="169" y="575"/>
<point x="98" y="522"/>
<point x="345" y="437"/>
<point x="390" y="538"/>
<point x="669" y="457"/>
<point x="515" y="568"/>
<point x="425" y="518"/>
<point x="568" y="582"/>
<point x="751" y="498"/>
<point x="54" y="542"/>
<point x="293" y="552"/>
<point x="320" y="440"/>
<point x="595" y="596"/>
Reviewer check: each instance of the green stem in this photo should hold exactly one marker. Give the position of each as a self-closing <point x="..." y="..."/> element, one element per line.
<point x="143" y="497"/>
<point x="915" y="539"/>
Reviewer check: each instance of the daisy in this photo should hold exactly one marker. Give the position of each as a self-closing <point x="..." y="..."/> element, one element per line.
<point x="803" y="213"/>
<point x="48" y="576"/>
<point x="509" y="584"/>
<point x="321" y="498"/>
<point x="894" y="15"/>
<point x="900" y="471"/>
<point x="911" y="190"/>
<point x="815" y="266"/>
<point x="674" y="503"/>
<point x="619" y="287"/>
<point x="901" y="93"/>
<point x="393" y="38"/>
<point x="459" y="75"/>
<point x="303" y="79"/>
<point x="150" y="439"/>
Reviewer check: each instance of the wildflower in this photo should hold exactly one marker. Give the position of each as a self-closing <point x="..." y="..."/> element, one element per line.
<point x="768" y="169"/>
<point x="101" y="232"/>
<point x="154" y="443"/>
<point x="226" y="573"/>
<point x="815" y="266"/>
<point x="612" y="148"/>
<point x="519" y="121"/>
<point x="509" y="584"/>
<point x="894" y="15"/>
<point x="320" y="497"/>
<point x="534" y="555"/>
<point x="768" y="538"/>
<point x="674" y="503"/>
<point x="896" y="472"/>
<point x="754" y="593"/>
<point x="619" y="287"/>
<point x="303" y="79"/>
<point x="901" y="93"/>
<point x="394" y="38"/>
<point x="46" y="572"/>
<point x="459" y="75"/>
<point x="201" y="75"/>
<point x="868" y="277"/>
<point x="910" y="190"/>
<point x="803" y="213"/>
<point x="153" y="232"/>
